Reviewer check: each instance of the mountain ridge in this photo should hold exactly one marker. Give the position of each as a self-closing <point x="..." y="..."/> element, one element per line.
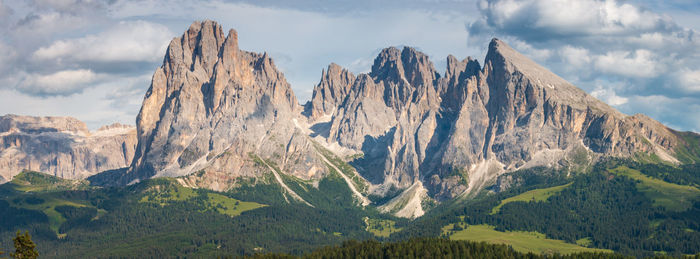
<point x="62" y="146"/>
<point x="217" y="117"/>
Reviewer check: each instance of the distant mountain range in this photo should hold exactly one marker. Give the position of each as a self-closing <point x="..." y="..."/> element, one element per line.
<point x="62" y="146"/>
<point x="403" y="137"/>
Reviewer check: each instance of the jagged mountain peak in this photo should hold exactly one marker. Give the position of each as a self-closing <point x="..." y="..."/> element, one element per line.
<point x="332" y="69"/>
<point x="408" y="64"/>
<point x="500" y="55"/>
<point x="510" y="114"/>
<point x="456" y="67"/>
<point x="203" y="99"/>
<point x="226" y="114"/>
<point x="330" y="91"/>
<point x="503" y="64"/>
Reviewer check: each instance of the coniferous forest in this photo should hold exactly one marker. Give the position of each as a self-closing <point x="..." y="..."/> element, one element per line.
<point x="609" y="206"/>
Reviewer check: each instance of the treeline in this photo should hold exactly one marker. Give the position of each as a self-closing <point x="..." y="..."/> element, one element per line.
<point x="607" y="209"/>
<point x="127" y="227"/>
<point x="430" y="248"/>
<point x="602" y="207"/>
<point x="430" y="225"/>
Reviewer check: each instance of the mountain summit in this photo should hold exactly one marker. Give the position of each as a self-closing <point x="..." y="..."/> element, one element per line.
<point x="216" y="117"/>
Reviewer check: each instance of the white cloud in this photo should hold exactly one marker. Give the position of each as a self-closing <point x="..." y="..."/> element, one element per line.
<point x="690" y="80"/>
<point x="594" y="43"/>
<point x="609" y="96"/>
<point x="613" y="48"/>
<point x="64" y="82"/>
<point x="38" y="25"/>
<point x="569" y="18"/>
<point x="7" y="57"/>
<point x="640" y="63"/>
<point x="575" y="56"/>
<point x="137" y="41"/>
<point x="303" y="47"/>
<point x="69" y="6"/>
<point x="5" y="11"/>
<point x="530" y="51"/>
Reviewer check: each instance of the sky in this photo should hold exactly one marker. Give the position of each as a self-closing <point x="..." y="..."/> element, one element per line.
<point x="93" y="60"/>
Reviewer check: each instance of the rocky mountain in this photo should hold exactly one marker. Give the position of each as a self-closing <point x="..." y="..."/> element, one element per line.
<point x="217" y="117"/>
<point x="62" y="146"/>
<point x="330" y="92"/>
<point x="417" y="128"/>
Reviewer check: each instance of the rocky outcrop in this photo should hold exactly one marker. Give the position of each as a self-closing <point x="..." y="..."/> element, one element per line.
<point x="531" y="109"/>
<point x="458" y="132"/>
<point x="62" y="146"/>
<point x="216" y="114"/>
<point x="330" y="92"/>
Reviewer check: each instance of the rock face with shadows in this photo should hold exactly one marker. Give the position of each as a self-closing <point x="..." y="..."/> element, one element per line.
<point x="455" y="133"/>
<point x="216" y="115"/>
<point x="330" y="92"/>
<point x="62" y="146"/>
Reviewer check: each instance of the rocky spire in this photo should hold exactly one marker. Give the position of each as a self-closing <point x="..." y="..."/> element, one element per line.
<point x="231" y="114"/>
<point x="331" y="91"/>
<point x="453" y="87"/>
<point x="202" y="99"/>
<point x="408" y="75"/>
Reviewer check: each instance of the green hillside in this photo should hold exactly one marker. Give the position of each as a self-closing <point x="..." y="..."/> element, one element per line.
<point x="381" y="227"/>
<point x="168" y="192"/>
<point x="161" y="218"/>
<point x="37" y="191"/>
<point x="521" y="241"/>
<point x="31" y="181"/>
<point x="623" y="206"/>
<point x="617" y="206"/>
<point x="531" y="196"/>
<point x="671" y="196"/>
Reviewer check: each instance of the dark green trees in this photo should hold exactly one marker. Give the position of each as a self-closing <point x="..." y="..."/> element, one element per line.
<point x="24" y="247"/>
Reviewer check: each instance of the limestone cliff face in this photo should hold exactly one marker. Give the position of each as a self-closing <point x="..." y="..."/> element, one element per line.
<point x="531" y="109"/>
<point x="385" y="110"/>
<point x="216" y="110"/>
<point x="215" y="114"/>
<point x="330" y="92"/>
<point x="455" y="133"/>
<point x="62" y="146"/>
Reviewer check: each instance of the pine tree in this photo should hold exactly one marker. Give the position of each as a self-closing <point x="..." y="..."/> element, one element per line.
<point x="24" y="247"/>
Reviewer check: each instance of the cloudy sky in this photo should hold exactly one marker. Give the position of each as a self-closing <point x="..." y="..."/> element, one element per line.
<point x="93" y="59"/>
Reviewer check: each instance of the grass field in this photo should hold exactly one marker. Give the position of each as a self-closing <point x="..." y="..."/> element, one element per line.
<point x="584" y="241"/>
<point x="672" y="196"/>
<point x="520" y="241"/>
<point x="532" y="195"/>
<point x="381" y="227"/>
<point x="29" y="181"/>
<point x="37" y="191"/>
<point x="33" y="191"/>
<point x="47" y="205"/>
<point x="163" y="194"/>
<point x="230" y="206"/>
